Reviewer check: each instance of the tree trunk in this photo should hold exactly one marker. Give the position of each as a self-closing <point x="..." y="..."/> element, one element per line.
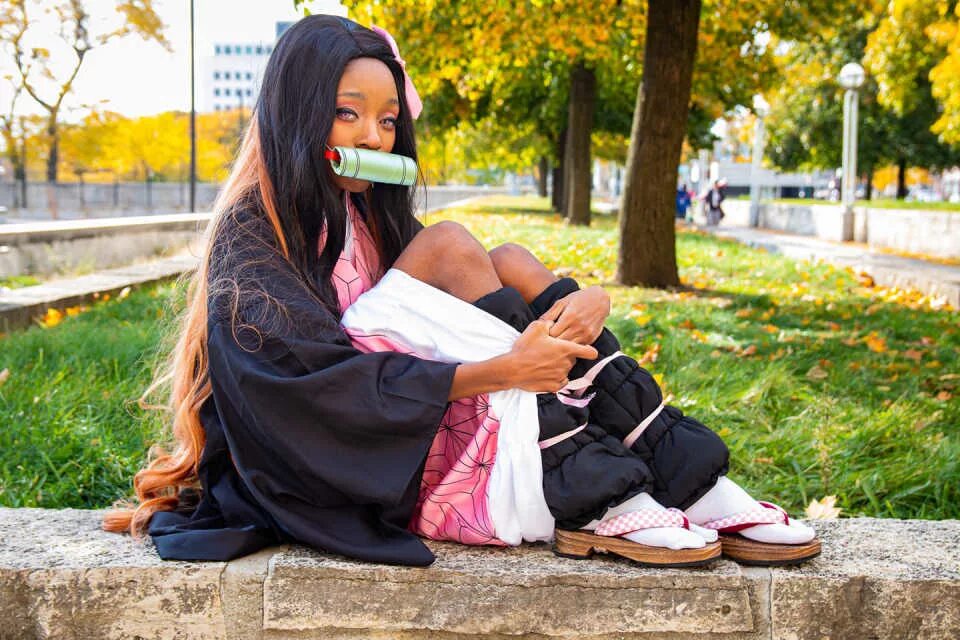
<point x="559" y="173"/>
<point x="648" y="253"/>
<point x="583" y="89"/>
<point x="53" y="158"/>
<point x="868" y="194"/>
<point x="901" y="178"/>
<point x="543" y="169"/>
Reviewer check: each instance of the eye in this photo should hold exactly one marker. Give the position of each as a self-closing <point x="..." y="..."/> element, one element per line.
<point x="389" y="123"/>
<point x="346" y="114"/>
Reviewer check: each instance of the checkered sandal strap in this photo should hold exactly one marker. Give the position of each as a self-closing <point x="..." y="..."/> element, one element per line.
<point x="642" y="519"/>
<point x="770" y="514"/>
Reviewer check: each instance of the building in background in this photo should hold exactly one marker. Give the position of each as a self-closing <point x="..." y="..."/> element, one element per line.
<point x="231" y="74"/>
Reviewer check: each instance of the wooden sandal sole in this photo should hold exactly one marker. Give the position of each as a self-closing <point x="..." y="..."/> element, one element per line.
<point x="582" y="544"/>
<point x="763" y="554"/>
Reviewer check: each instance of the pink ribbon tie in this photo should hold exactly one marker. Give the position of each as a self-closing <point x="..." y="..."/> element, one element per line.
<point x="413" y="98"/>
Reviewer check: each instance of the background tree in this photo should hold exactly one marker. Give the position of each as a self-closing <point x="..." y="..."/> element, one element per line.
<point x="34" y="64"/>
<point x="647" y="254"/>
<point x="897" y="108"/>
<point x="14" y="137"/>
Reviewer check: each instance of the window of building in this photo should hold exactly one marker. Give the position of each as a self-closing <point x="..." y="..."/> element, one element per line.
<point x="226" y="92"/>
<point x="226" y="49"/>
<point x="249" y="93"/>
<point x="216" y="107"/>
<point x="226" y="75"/>
<point x="249" y="49"/>
<point x="249" y="76"/>
<point x="259" y="50"/>
<point x="269" y="48"/>
<point x="216" y="92"/>
<point x="217" y="50"/>
<point x="216" y="75"/>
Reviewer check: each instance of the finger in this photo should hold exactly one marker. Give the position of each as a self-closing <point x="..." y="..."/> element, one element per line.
<point x="553" y="312"/>
<point x="566" y="322"/>
<point x="583" y="351"/>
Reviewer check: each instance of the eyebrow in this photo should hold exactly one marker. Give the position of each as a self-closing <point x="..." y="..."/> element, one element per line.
<point x="357" y="94"/>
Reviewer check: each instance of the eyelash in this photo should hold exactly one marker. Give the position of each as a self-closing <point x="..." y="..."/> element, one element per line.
<point x="344" y="111"/>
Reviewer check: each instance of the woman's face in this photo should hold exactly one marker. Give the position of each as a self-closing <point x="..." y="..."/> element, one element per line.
<point x="367" y="113"/>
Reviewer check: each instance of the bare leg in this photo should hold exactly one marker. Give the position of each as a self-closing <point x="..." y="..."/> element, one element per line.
<point x="446" y="256"/>
<point x="518" y="268"/>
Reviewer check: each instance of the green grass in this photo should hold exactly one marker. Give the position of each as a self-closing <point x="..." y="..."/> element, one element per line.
<point x="17" y="282"/>
<point x="819" y="384"/>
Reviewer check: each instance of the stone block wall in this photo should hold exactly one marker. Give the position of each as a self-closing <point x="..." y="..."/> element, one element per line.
<point x="62" y="577"/>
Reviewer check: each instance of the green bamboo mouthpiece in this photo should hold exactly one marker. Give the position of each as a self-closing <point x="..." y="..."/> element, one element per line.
<point x="375" y="166"/>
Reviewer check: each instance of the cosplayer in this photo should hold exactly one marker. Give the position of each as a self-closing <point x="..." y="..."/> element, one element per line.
<point x="350" y="380"/>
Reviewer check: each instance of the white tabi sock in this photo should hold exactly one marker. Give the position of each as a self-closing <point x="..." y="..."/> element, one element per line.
<point x="727" y="498"/>
<point x="668" y="537"/>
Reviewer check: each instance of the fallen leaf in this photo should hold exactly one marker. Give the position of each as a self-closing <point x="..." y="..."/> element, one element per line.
<point x="749" y="351"/>
<point x="876" y="343"/>
<point x="650" y="355"/>
<point x="943" y="396"/>
<point x="687" y="324"/>
<point x="913" y="354"/>
<point x="4" y="375"/>
<point x="817" y="373"/>
<point x="823" y="509"/>
<point x="771" y="328"/>
<point x="123" y="293"/>
<point x="744" y="313"/>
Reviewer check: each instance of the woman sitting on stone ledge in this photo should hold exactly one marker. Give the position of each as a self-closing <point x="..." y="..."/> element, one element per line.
<point x="348" y="379"/>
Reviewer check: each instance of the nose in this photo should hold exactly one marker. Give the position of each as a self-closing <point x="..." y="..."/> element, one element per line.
<point x="370" y="135"/>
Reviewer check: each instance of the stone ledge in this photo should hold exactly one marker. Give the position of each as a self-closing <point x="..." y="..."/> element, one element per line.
<point x="62" y="577"/>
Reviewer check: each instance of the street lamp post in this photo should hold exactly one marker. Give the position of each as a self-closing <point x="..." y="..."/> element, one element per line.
<point x="851" y="78"/>
<point x="193" y="119"/>
<point x="760" y="109"/>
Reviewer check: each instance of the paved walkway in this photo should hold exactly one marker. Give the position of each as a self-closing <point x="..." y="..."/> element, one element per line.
<point x="888" y="270"/>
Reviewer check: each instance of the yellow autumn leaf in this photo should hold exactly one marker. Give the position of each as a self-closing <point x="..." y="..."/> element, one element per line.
<point x="823" y="509"/>
<point x="771" y="328"/>
<point x="876" y="343"/>
<point x="51" y="318"/>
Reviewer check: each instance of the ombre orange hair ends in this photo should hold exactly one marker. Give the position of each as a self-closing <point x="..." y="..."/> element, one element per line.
<point x="158" y="485"/>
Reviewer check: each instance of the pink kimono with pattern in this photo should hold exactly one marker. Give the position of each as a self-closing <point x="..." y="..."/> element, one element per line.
<point x="452" y="504"/>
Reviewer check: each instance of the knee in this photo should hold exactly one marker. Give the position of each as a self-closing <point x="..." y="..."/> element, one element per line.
<point x="509" y="254"/>
<point x="451" y="239"/>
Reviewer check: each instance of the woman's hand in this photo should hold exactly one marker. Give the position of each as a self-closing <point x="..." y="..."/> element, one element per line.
<point x="579" y="317"/>
<point x="541" y="363"/>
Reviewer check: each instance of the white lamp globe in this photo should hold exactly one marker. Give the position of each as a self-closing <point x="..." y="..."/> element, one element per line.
<point x="851" y="76"/>
<point x="760" y="106"/>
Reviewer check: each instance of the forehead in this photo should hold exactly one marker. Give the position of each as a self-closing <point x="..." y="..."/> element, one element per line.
<point x="370" y="77"/>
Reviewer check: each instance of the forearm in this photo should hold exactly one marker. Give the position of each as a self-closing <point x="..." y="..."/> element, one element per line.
<point x="474" y="378"/>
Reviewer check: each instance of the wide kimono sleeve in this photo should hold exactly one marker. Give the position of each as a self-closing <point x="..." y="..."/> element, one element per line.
<point x="327" y="443"/>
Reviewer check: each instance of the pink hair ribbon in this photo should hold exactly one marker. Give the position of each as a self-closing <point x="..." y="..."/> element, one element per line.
<point x="413" y="98"/>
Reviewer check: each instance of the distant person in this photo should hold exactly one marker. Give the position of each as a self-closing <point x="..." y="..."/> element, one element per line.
<point x="713" y="203"/>
<point x="683" y="201"/>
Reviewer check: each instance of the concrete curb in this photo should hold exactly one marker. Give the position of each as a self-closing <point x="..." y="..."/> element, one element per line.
<point x="62" y="577"/>
<point x="19" y="308"/>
